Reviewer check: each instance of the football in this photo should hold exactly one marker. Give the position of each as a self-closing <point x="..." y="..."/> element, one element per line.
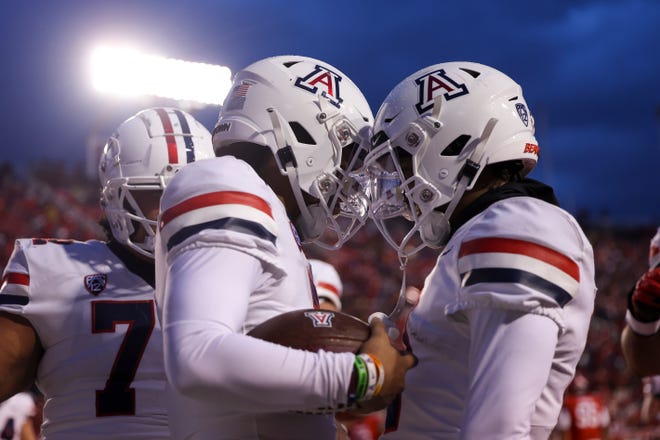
<point x="313" y="330"/>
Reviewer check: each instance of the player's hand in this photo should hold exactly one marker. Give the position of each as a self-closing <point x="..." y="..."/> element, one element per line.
<point x="395" y="365"/>
<point x="645" y="299"/>
<point x="395" y="322"/>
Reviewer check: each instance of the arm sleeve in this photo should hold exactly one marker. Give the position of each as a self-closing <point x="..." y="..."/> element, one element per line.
<point x="15" y="287"/>
<point x="564" y="421"/>
<point x="536" y="269"/>
<point x="510" y="358"/>
<point x="207" y="357"/>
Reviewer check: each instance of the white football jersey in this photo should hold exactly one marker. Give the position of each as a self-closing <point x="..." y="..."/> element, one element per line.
<point x="500" y="326"/>
<point x="14" y="412"/>
<point x="102" y="368"/>
<point x="227" y="259"/>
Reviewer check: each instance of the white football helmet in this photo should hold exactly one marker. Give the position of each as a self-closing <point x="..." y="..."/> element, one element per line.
<point x="317" y="124"/>
<point x="433" y="135"/>
<point x="145" y="151"/>
<point x="654" y="250"/>
<point x="327" y="282"/>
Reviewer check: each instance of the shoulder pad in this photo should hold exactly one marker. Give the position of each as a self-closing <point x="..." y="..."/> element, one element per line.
<point x="527" y="245"/>
<point x="218" y="194"/>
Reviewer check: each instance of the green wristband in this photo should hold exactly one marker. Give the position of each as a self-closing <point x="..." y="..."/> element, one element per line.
<point x="362" y="378"/>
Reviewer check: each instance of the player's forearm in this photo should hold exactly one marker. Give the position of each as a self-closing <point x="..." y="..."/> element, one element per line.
<point x="508" y="371"/>
<point x="641" y="352"/>
<point x="20" y="352"/>
<point x="10" y="385"/>
<point x="253" y="375"/>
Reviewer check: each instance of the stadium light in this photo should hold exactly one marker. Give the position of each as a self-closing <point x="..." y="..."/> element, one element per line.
<point x="127" y="72"/>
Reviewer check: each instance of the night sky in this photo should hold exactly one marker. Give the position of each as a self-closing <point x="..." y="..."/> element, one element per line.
<point x="590" y="72"/>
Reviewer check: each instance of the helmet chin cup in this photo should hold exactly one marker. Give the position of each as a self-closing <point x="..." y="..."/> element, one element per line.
<point x="435" y="229"/>
<point x="311" y="224"/>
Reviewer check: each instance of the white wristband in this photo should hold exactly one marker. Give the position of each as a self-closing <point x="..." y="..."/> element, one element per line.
<point x="372" y="371"/>
<point x="642" y="328"/>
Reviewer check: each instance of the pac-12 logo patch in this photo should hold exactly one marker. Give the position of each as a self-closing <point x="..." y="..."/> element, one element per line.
<point x="436" y="82"/>
<point x="320" y="318"/>
<point x="324" y="80"/>
<point x="522" y="112"/>
<point x="96" y="283"/>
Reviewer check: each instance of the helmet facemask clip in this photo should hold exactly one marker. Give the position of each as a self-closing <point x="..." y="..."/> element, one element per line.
<point x="311" y="222"/>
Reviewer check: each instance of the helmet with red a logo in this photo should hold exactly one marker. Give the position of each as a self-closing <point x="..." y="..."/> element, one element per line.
<point x="433" y="135"/>
<point x="327" y="282"/>
<point x="316" y="122"/>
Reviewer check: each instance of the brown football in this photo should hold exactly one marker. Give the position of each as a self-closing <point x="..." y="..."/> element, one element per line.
<point x="313" y="330"/>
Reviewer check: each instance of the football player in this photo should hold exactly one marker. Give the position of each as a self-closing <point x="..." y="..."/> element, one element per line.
<point x="229" y="257"/>
<point x="327" y="282"/>
<point x="503" y="316"/>
<point x="650" y="411"/>
<point x="79" y="317"/>
<point x="16" y="417"/>
<point x="640" y="339"/>
<point x="584" y="414"/>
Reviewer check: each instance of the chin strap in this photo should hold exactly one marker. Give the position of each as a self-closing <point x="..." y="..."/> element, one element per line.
<point x="468" y="173"/>
<point x="397" y="320"/>
<point x="309" y="224"/>
<point x="436" y="228"/>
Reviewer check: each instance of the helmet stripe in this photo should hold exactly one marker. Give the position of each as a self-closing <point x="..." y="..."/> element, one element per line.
<point x="329" y="287"/>
<point x="172" y="154"/>
<point x="190" y="146"/>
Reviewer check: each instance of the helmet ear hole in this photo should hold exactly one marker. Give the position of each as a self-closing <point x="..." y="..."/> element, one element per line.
<point x="301" y="134"/>
<point x="472" y="73"/>
<point x="456" y="146"/>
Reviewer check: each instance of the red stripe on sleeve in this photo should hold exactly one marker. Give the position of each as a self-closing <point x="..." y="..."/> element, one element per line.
<point x="16" y="278"/>
<point x="172" y="154"/>
<point x="521" y="247"/>
<point x="216" y="198"/>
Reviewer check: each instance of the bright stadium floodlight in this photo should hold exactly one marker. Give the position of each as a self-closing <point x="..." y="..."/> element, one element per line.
<point x="127" y="72"/>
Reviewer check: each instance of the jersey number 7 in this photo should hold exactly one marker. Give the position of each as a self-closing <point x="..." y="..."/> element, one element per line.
<point x="118" y="397"/>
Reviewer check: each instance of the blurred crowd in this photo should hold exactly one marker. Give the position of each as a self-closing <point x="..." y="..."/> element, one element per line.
<point x="52" y="201"/>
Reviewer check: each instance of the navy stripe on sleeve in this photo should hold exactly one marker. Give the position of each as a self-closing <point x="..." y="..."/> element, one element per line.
<point x="6" y="298"/>
<point x="228" y="223"/>
<point x="507" y="275"/>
